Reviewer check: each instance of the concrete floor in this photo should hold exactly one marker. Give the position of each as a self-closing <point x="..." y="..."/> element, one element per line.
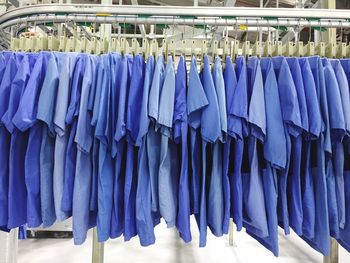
<point x="169" y="248"/>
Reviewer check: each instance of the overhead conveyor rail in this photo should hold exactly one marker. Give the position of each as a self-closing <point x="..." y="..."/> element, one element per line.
<point x="219" y="16"/>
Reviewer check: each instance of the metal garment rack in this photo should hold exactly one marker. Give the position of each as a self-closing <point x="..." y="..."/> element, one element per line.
<point x="215" y="16"/>
<point x="194" y="15"/>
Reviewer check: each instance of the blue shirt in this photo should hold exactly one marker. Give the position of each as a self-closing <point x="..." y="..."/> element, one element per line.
<point x="210" y="133"/>
<point x="132" y="126"/>
<point x="144" y="218"/>
<point x="168" y="169"/>
<point x="83" y="138"/>
<point x="17" y="198"/>
<point x="253" y="195"/>
<point x="180" y="136"/>
<point x="197" y="101"/>
<point x="24" y="119"/>
<point x="46" y="107"/>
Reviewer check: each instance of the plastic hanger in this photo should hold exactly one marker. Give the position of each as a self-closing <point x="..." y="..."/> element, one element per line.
<point x="277" y="48"/>
<point x="321" y="49"/>
<point x="234" y="48"/>
<point x="341" y="50"/>
<point x="309" y="49"/>
<point x="299" y="49"/>
<point x="52" y="43"/>
<point x="164" y="48"/>
<point x="288" y="49"/>
<point x="14" y="46"/>
<point x="246" y="48"/>
<point x="331" y="50"/>
<point x="267" y="49"/>
<point x="257" y="49"/>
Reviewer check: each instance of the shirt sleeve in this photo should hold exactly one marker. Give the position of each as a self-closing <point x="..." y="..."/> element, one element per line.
<point x="210" y="119"/>
<point x="18" y="84"/>
<point x="48" y="94"/>
<point x="167" y="99"/>
<point x="335" y="111"/>
<point x="275" y="150"/>
<point x="289" y="99"/>
<point x="83" y="136"/>
<point x="256" y="114"/>
<point x="220" y="93"/>
<point x="196" y="97"/>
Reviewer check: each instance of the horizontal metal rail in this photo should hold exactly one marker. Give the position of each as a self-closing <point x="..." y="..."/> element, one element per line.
<point x="220" y="16"/>
<point x="42" y="19"/>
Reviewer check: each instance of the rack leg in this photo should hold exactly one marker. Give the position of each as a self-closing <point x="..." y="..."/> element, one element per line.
<point x="230" y="237"/>
<point x="97" y="249"/>
<point x="334" y="256"/>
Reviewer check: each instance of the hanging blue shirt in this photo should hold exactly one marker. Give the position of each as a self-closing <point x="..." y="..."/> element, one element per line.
<point x="117" y="227"/>
<point x="321" y="241"/>
<point x="93" y="106"/>
<point x="144" y="219"/>
<point x="71" y="126"/>
<point x="105" y="175"/>
<point x="67" y="63"/>
<point x="196" y="102"/>
<point x="314" y="130"/>
<point x="132" y="127"/>
<point x="218" y="216"/>
<point x="254" y="209"/>
<point x="153" y="138"/>
<point x="180" y="137"/>
<point x="17" y="190"/>
<point x="338" y="131"/>
<point x="168" y="168"/>
<point x="5" y="86"/>
<point x="293" y="128"/>
<point x="24" y="119"/>
<point x="294" y="196"/>
<point x="46" y="107"/>
<point x="275" y="152"/>
<point x="210" y="133"/>
<point x="338" y="159"/>
<point x="230" y="83"/>
<point x="83" y="138"/>
<point x="237" y="127"/>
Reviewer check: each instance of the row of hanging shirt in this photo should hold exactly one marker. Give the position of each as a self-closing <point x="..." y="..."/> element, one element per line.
<point x="120" y="142"/>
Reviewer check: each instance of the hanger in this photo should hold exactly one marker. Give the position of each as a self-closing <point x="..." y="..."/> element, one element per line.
<point x="193" y="48"/>
<point x="257" y="49"/>
<point x="153" y="49"/>
<point x="309" y="49"/>
<point x="299" y="49"/>
<point x="164" y="48"/>
<point x="277" y="48"/>
<point x="267" y="49"/>
<point x="183" y="47"/>
<point x="331" y="50"/>
<point x="14" y="45"/>
<point x="52" y="43"/>
<point x="215" y="49"/>
<point x="321" y="49"/>
<point x="245" y="48"/>
<point x="288" y="49"/>
<point x="341" y="50"/>
<point x="234" y="48"/>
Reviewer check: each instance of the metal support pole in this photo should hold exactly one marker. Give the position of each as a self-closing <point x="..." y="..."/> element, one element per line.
<point x="97" y="249"/>
<point x="334" y="255"/>
<point x="231" y="233"/>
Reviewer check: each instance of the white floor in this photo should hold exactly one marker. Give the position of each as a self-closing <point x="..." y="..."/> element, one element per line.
<point x="170" y="249"/>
